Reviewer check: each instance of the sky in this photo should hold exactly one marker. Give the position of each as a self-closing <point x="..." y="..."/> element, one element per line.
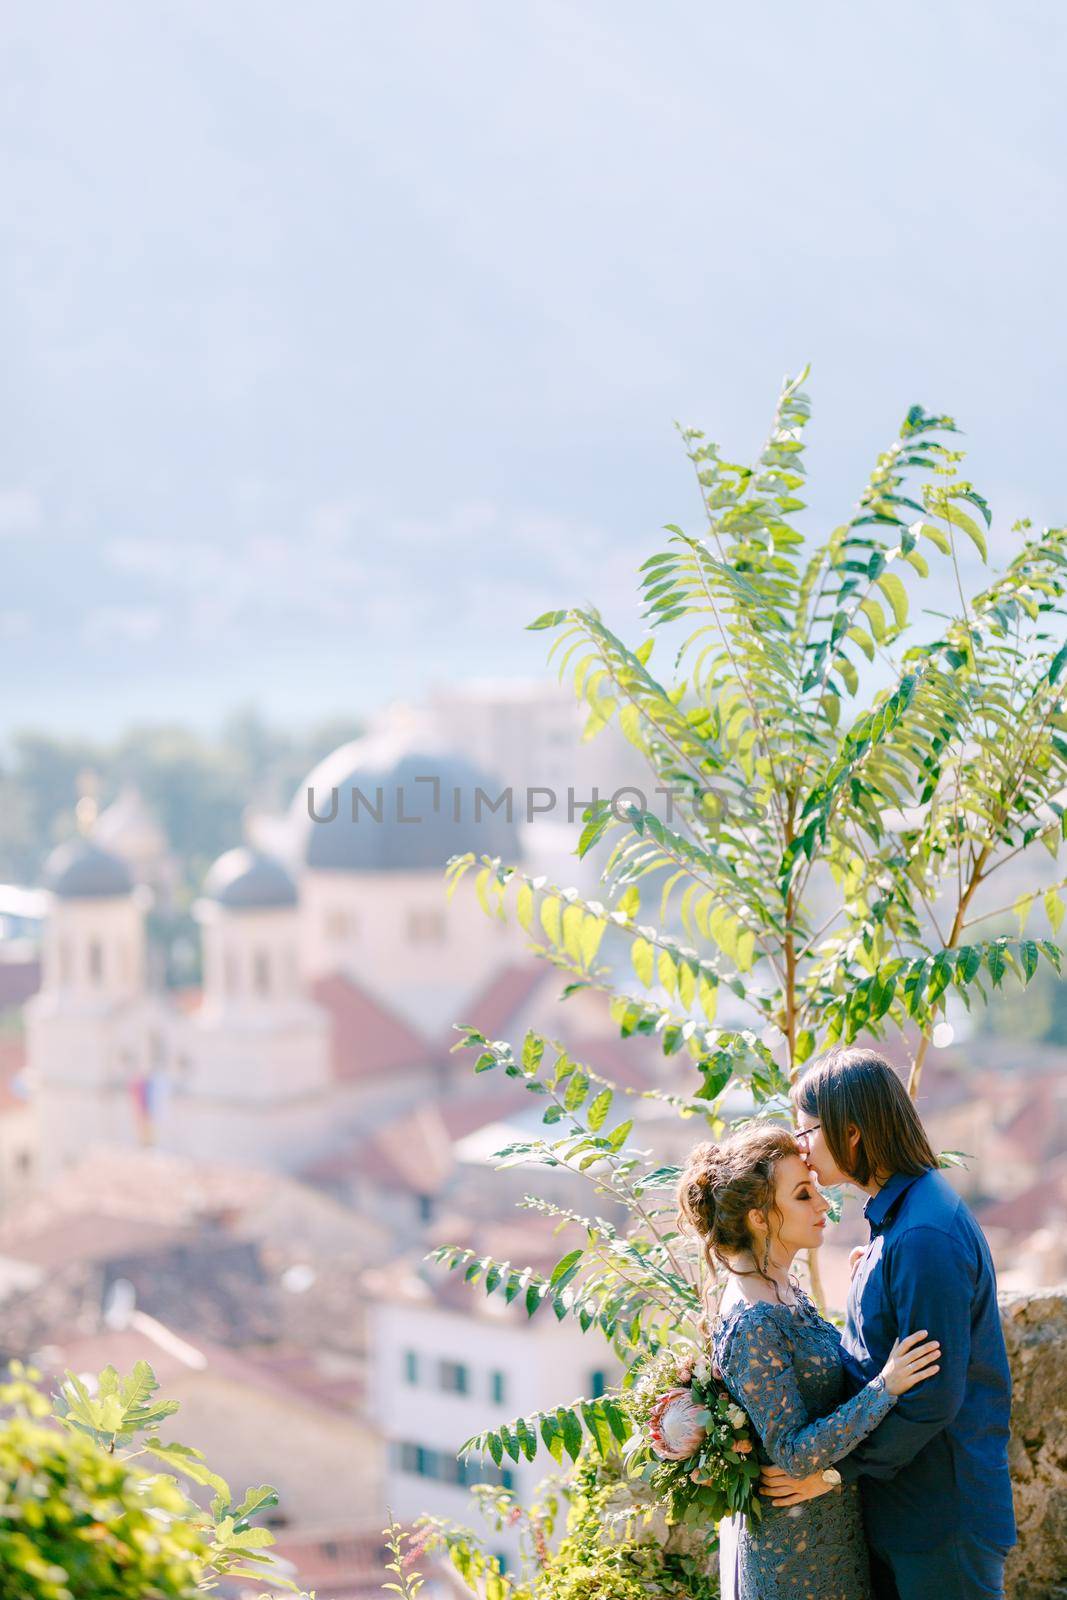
<point x="343" y="340"/>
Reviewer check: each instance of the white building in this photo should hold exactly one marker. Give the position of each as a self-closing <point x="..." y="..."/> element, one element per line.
<point x="334" y="964"/>
<point x="329" y="985"/>
<point x="445" y="1361"/>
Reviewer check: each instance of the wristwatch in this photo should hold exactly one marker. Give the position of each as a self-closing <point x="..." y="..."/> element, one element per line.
<point x="831" y="1476"/>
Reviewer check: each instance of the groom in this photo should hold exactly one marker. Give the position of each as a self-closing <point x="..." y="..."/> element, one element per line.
<point x="934" y="1475"/>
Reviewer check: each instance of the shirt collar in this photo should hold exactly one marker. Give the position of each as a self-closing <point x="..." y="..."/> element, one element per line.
<point x="880" y="1206"/>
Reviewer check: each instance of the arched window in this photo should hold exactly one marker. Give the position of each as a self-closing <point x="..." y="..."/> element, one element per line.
<point x="66" y="966"/>
<point x="96" y="962"/>
<point x="339" y="925"/>
<point x="261" y="972"/>
<point x="426" y="925"/>
<point x="230" y="980"/>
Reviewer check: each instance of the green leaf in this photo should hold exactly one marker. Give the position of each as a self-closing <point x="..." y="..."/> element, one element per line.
<point x="524" y="906"/>
<point x="533" y="1048"/>
<point x="552" y="1434"/>
<point x="960" y="519"/>
<point x="618" y="1136"/>
<point x="572" y="1431"/>
<point x="255" y="1501"/>
<point x="576" y="1091"/>
<point x="1030" y="958"/>
<point x="897" y="596"/>
<point x="599" y="1109"/>
<point x="565" y="1269"/>
<point x="643" y="958"/>
<point x="190" y="1463"/>
<point x="552" y="918"/>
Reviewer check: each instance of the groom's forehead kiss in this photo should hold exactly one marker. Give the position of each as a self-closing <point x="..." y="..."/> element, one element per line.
<point x="854" y="1091"/>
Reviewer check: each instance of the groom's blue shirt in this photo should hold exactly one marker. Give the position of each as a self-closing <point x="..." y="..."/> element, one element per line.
<point x="938" y="1463"/>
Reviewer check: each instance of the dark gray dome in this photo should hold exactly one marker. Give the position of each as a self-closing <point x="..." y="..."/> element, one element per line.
<point x="80" y="870"/>
<point x="395" y="843"/>
<point x="246" y="880"/>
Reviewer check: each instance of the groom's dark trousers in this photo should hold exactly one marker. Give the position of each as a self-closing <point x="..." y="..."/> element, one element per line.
<point x="933" y="1475"/>
<point x="960" y="1569"/>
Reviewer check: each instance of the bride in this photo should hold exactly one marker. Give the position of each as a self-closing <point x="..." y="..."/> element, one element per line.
<point x="754" y="1205"/>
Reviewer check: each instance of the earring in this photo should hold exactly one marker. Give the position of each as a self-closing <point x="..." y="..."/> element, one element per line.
<point x="766" y="1256"/>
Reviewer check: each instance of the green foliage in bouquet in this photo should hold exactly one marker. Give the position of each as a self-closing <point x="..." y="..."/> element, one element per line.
<point x="841" y="794"/>
<point x="695" y="1448"/>
<point x="80" y="1519"/>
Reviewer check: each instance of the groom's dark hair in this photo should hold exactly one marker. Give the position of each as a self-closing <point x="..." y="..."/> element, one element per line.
<point x="852" y="1086"/>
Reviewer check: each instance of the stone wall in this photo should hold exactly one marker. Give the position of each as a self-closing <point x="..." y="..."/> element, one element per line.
<point x="1035" y="1329"/>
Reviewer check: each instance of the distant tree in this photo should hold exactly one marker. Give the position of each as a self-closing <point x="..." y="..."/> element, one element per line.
<point x="199" y="786"/>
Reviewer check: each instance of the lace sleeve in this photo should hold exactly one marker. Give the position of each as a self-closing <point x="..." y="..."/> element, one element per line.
<point x="757" y="1367"/>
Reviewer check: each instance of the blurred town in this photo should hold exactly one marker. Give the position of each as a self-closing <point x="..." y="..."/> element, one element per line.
<point x="232" y="1123"/>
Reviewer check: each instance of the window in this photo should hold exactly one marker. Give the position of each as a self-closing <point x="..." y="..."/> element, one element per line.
<point x="96" y="962"/>
<point x="261" y="972"/>
<point x="597" y="1383"/>
<point x="339" y="925"/>
<point x="498" y="1388"/>
<point x="452" y="1377"/>
<point x="426" y="925"/>
<point x="411" y="1366"/>
<point x="443" y="1467"/>
<point x="425" y="1204"/>
<point x="229" y="972"/>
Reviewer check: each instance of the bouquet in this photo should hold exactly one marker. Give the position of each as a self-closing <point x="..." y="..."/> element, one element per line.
<point x="691" y="1442"/>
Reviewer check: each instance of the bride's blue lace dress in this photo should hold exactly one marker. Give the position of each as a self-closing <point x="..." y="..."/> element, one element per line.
<point x="781" y="1364"/>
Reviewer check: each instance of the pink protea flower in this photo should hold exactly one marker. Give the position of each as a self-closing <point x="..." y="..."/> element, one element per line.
<point x="674" y="1427"/>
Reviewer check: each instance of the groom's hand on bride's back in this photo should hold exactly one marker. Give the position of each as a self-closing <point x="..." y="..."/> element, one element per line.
<point x="780" y="1489"/>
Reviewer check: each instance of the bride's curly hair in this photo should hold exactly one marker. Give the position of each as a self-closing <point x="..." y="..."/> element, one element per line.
<point x="721" y="1183"/>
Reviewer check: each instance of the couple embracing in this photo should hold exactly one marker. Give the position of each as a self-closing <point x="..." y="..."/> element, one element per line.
<point x="885" y="1447"/>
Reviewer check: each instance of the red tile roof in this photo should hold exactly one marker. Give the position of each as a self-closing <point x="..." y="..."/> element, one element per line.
<point x="1038" y="1127"/>
<point x="369" y="1038"/>
<point x="1044" y="1202"/>
<point x="414" y="1151"/>
<point x="503" y="996"/>
<point x="171" y="1354"/>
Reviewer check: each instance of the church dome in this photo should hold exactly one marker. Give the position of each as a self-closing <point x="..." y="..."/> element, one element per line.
<point x="409" y="826"/>
<point x="247" y="880"/>
<point x="81" y="870"/>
